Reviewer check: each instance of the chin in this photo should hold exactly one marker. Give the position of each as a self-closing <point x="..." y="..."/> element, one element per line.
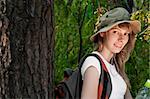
<point x="117" y="51"/>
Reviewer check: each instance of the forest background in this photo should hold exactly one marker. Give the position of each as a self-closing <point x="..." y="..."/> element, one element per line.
<point x="74" y="24"/>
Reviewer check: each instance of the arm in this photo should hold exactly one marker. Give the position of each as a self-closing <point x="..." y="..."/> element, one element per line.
<point x="90" y="83"/>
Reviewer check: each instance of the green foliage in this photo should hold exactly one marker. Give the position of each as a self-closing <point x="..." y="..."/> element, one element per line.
<point x="68" y="19"/>
<point x="141" y="4"/>
<point x="67" y="33"/>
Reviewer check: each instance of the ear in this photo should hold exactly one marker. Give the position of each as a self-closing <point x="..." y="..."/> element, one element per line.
<point x="102" y="34"/>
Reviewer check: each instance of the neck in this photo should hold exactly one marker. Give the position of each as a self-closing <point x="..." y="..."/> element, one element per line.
<point x="106" y="54"/>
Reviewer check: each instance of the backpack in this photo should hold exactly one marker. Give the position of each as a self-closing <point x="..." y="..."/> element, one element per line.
<point x="71" y="86"/>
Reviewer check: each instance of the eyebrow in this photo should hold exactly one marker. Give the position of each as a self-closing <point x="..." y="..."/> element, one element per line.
<point x="114" y="28"/>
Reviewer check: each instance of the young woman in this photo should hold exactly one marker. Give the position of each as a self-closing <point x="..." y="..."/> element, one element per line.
<point x="114" y="40"/>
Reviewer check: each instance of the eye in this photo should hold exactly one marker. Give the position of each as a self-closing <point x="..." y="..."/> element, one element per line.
<point x="126" y="34"/>
<point x="114" y="32"/>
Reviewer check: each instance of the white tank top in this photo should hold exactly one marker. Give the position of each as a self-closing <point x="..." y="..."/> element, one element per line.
<point x="118" y="84"/>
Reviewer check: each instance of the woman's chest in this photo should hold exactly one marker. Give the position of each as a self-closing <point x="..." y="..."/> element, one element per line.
<point x="118" y="84"/>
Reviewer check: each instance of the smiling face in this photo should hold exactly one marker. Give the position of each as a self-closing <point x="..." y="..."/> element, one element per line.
<point x="116" y="38"/>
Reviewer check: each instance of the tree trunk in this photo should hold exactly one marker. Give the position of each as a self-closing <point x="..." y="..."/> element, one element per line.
<point x="5" y="55"/>
<point x="127" y="4"/>
<point x="31" y="72"/>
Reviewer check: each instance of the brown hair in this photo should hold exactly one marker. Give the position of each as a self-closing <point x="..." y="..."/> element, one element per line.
<point x="120" y="58"/>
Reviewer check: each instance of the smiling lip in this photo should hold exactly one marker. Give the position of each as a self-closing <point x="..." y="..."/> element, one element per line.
<point x="118" y="45"/>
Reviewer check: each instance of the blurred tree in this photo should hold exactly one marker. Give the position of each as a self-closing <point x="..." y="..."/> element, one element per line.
<point x="31" y="26"/>
<point x="127" y="4"/>
<point x="80" y="20"/>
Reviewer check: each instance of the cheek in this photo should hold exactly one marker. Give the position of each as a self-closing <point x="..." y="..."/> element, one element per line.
<point x="126" y="40"/>
<point x="113" y="39"/>
<point x="124" y="43"/>
<point x="110" y="41"/>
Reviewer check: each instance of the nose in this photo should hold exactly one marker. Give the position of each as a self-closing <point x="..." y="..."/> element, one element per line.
<point x="120" y="36"/>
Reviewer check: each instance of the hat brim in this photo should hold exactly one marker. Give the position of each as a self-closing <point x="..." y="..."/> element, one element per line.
<point x="135" y="26"/>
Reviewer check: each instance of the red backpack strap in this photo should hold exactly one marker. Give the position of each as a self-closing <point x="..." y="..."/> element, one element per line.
<point x="105" y="86"/>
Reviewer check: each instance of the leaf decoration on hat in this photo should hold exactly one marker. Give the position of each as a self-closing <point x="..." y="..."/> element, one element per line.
<point x="100" y="11"/>
<point x="97" y="24"/>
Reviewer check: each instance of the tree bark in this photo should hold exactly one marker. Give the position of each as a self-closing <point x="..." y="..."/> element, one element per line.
<point x="5" y="55"/>
<point x="31" y="29"/>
